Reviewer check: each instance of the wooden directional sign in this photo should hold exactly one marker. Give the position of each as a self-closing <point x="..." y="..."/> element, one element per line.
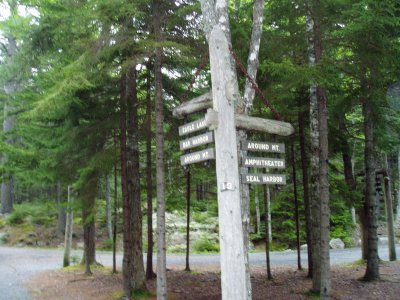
<point x="203" y="139"/>
<point x="198" y="156"/>
<point x="261" y="162"/>
<point x="264" y="179"/>
<point x="263" y="147"/>
<point x="192" y="127"/>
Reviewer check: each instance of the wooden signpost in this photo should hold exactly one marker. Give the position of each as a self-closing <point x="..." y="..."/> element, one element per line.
<point x="221" y="118"/>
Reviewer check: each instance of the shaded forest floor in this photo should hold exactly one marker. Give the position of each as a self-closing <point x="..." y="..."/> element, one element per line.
<point x="204" y="283"/>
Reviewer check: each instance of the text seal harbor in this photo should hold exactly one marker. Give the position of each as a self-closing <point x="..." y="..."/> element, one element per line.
<point x="261" y="162"/>
<point x="195" y="141"/>
<point x="263" y="147"/>
<point x="192" y="127"/>
<point x="264" y="179"/>
<point x="198" y="156"/>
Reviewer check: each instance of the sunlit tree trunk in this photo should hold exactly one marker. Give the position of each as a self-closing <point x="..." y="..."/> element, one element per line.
<point x="314" y="164"/>
<point x="160" y="177"/>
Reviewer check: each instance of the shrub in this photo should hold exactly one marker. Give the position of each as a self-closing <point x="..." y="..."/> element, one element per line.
<point x="41" y="213"/>
<point x="205" y="245"/>
<point x="106" y="245"/>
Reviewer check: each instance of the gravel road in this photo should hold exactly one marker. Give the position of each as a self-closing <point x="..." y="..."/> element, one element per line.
<point x="18" y="264"/>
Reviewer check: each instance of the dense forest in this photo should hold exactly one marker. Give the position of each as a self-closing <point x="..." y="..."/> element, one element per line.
<point x="87" y="100"/>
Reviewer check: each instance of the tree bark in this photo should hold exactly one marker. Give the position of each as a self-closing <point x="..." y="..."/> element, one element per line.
<point x="314" y="176"/>
<point x="267" y="199"/>
<point x="323" y="172"/>
<point x="133" y="177"/>
<point x="160" y="177"/>
<point x="88" y="219"/>
<point x="306" y="193"/>
<point x="372" y="271"/>
<point x="296" y="207"/>
<point x="149" y="187"/>
<point x="68" y="231"/>
<point x="258" y="215"/>
<point x="10" y="87"/>
<point x="108" y="208"/>
<point x="127" y="237"/>
<point x="398" y="187"/>
<point x="389" y="212"/>
<point x="61" y="220"/>
<point x="115" y="208"/>
<point x="187" y="268"/>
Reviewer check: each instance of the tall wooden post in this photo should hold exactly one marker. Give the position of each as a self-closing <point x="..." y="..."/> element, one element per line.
<point x="233" y="272"/>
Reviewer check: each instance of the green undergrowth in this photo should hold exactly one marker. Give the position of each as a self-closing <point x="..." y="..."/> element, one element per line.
<point x="357" y="263"/>
<point x="34" y="213"/>
<point x="204" y="245"/>
<point x="137" y="295"/>
<point x="81" y="268"/>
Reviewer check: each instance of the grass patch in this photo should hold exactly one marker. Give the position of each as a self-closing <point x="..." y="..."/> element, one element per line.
<point x="357" y="263"/>
<point x="142" y="294"/>
<point x="312" y="294"/>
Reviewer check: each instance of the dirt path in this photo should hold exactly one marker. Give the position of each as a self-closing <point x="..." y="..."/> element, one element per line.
<point x="17" y="265"/>
<point x="204" y="284"/>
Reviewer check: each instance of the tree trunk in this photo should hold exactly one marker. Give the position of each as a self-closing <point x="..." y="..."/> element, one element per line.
<point x="108" y="208"/>
<point x="306" y="193"/>
<point x="389" y="212"/>
<point x="149" y="187"/>
<point x="372" y="271"/>
<point x="267" y="199"/>
<point x="133" y="174"/>
<point x="296" y="207"/>
<point x="127" y="236"/>
<point x="160" y="177"/>
<point x="398" y="187"/>
<point x="88" y="219"/>
<point x="323" y="172"/>
<point x="10" y="87"/>
<point x="68" y="230"/>
<point x="61" y="220"/>
<point x="314" y="176"/>
<point x="258" y="216"/>
<point x="187" y="268"/>
<point x="115" y="208"/>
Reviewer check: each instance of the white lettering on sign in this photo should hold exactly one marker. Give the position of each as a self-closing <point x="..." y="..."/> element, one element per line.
<point x="264" y="179"/>
<point x="196" y="141"/>
<point x="192" y="127"/>
<point x="264" y="147"/>
<point x="264" y="162"/>
<point x="198" y="156"/>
